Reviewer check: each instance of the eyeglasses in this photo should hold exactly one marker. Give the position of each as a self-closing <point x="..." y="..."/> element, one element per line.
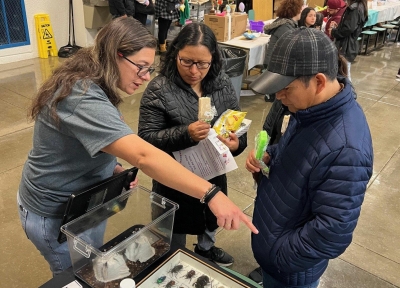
<point x="143" y="70"/>
<point x="190" y="63"/>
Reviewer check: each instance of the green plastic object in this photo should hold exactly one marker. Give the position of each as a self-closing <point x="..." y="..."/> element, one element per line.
<point x="251" y="14"/>
<point x="262" y="139"/>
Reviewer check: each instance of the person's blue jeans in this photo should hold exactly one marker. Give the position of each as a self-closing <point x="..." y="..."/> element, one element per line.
<point x="270" y="282"/>
<point x="43" y="233"/>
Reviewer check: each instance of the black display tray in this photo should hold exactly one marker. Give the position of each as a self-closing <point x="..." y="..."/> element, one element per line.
<point x="68" y="276"/>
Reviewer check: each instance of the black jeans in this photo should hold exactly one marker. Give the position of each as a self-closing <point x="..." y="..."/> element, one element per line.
<point x="163" y="26"/>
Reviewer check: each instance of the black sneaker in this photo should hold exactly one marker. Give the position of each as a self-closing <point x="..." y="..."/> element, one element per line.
<point x="217" y="255"/>
<point x="256" y="275"/>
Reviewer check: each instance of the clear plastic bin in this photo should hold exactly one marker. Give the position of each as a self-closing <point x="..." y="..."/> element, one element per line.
<point x="120" y="238"/>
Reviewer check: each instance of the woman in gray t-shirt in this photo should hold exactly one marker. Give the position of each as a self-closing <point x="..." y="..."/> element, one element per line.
<point x="79" y="132"/>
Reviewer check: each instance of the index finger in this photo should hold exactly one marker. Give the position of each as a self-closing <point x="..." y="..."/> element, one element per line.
<point x="245" y="219"/>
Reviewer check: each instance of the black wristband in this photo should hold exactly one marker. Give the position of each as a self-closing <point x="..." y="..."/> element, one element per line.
<point x="212" y="193"/>
<point x="119" y="164"/>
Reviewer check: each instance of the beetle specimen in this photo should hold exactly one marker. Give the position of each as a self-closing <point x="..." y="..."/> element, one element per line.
<point x="170" y="284"/>
<point x="175" y="270"/>
<point x="201" y="282"/>
<point x="190" y="274"/>
<point x="161" y="279"/>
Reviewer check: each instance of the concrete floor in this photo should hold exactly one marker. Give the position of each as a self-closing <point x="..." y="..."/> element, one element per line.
<point x="372" y="260"/>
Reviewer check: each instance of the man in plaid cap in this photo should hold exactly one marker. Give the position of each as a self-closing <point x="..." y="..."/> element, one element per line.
<point x="307" y="207"/>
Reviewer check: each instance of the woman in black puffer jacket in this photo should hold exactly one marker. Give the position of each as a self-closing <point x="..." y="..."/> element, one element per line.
<point x="169" y="120"/>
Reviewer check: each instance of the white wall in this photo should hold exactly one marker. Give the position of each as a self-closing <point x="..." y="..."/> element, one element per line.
<point x="58" y="11"/>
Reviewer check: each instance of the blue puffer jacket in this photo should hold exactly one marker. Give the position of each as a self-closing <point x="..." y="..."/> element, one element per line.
<point x="307" y="210"/>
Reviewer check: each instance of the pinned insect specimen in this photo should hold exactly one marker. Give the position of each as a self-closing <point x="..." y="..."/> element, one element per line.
<point x="175" y="270"/>
<point x="189" y="275"/>
<point x="201" y="282"/>
<point x="161" y="279"/>
<point x="170" y="284"/>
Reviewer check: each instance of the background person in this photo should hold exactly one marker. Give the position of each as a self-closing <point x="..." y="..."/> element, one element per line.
<point x="142" y="9"/>
<point x="121" y="8"/>
<point x="319" y="21"/>
<point x="288" y="14"/>
<point x="79" y="132"/>
<point x="168" y="120"/>
<point x="165" y="12"/>
<point x="308" y="206"/>
<point x="353" y="20"/>
<point x="334" y="13"/>
<point x="308" y="17"/>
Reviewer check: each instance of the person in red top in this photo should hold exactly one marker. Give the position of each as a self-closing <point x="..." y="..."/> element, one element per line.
<point x="334" y="12"/>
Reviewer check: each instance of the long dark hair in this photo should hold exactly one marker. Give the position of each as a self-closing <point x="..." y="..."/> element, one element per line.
<point x="303" y="16"/>
<point x="319" y="18"/>
<point x="342" y="66"/>
<point x="193" y="34"/>
<point x="364" y="3"/>
<point x="97" y="64"/>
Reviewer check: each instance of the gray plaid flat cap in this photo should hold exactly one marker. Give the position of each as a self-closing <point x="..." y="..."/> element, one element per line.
<point x="300" y="52"/>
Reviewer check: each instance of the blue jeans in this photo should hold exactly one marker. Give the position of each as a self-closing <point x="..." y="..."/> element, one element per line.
<point x="204" y="241"/>
<point x="43" y="233"/>
<point x="270" y="282"/>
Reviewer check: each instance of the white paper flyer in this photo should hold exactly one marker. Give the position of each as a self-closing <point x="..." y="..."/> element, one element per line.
<point x="205" y="160"/>
<point x="213" y="138"/>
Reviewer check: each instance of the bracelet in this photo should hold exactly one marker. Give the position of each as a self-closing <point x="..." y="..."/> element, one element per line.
<point x="203" y="199"/>
<point x="212" y="193"/>
<point x="119" y="164"/>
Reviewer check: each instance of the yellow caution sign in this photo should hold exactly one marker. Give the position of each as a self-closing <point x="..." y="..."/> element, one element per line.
<point x="45" y="36"/>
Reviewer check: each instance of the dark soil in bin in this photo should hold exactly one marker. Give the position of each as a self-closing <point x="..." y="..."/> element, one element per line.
<point x="87" y="273"/>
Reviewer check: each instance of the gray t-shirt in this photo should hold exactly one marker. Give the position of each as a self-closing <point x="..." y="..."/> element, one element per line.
<point x="67" y="158"/>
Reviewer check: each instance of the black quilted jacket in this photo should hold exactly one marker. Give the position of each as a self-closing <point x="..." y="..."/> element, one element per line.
<point x="166" y="110"/>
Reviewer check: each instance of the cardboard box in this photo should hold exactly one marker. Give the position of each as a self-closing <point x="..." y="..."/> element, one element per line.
<point x="220" y="25"/>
